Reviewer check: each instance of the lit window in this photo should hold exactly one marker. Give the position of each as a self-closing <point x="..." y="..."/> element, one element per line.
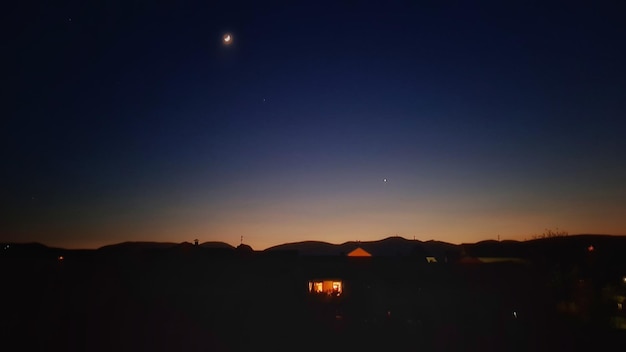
<point x="330" y="287"/>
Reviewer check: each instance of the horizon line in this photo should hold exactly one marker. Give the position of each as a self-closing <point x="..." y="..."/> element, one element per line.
<point x="297" y="242"/>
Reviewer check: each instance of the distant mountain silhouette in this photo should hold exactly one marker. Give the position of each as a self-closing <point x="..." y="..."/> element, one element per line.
<point x="33" y="249"/>
<point x="137" y="246"/>
<point x="561" y="249"/>
<point x="167" y="248"/>
<point x="216" y="244"/>
<point x="31" y="246"/>
<point x="308" y="248"/>
<point x="244" y="248"/>
<point x="141" y="246"/>
<point x="493" y="248"/>
<point x="391" y="246"/>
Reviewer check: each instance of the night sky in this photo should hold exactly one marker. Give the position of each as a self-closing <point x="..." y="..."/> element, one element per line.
<point x="330" y="121"/>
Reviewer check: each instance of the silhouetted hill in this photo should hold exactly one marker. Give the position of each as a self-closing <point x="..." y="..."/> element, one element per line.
<point x="137" y="246"/>
<point x="576" y="246"/>
<point x="555" y="249"/>
<point x="216" y="244"/>
<point x="183" y="247"/>
<point x="33" y="249"/>
<point x="244" y="248"/>
<point x="147" y="245"/>
<point x="391" y="246"/>
<point x="564" y="249"/>
<point x="493" y="248"/>
<point x="308" y="248"/>
<point x="440" y="249"/>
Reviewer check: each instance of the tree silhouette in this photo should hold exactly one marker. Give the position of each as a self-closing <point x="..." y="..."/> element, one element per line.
<point x="549" y="233"/>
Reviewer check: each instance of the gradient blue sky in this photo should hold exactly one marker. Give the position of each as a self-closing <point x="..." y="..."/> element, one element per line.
<point x="133" y="122"/>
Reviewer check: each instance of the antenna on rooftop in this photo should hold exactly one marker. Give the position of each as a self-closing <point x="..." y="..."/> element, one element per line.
<point x="241" y="241"/>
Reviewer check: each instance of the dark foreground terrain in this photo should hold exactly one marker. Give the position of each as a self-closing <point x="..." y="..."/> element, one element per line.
<point x="195" y="299"/>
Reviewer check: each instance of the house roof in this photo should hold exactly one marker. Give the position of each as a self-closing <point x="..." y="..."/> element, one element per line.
<point x="359" y="252"/>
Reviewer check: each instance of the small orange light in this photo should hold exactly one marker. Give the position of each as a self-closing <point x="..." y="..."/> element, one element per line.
<point x="60" y="257"/>
<point x="590" y="248"/>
